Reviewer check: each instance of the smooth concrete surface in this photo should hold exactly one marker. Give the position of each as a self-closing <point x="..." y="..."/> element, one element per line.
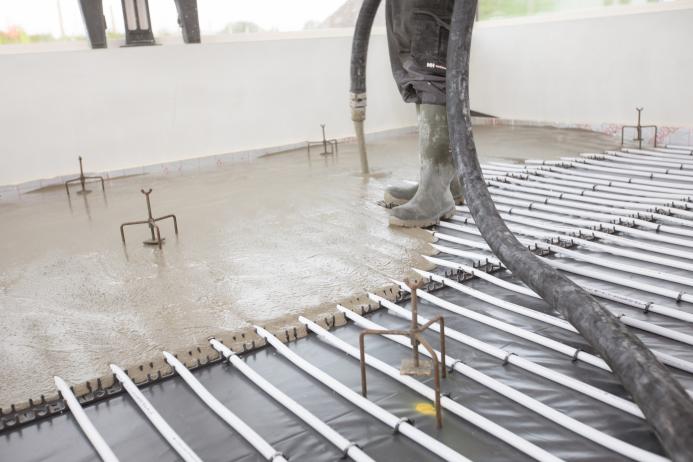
<point x="259" y="242"/>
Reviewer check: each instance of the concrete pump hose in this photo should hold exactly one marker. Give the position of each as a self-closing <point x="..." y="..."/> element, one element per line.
<point x="359" y="55"/>
<point x="666" y="405"/>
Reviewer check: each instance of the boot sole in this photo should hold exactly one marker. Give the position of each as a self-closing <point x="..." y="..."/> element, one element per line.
<point x="394" y="221"/>
<point x="391" y="201"/>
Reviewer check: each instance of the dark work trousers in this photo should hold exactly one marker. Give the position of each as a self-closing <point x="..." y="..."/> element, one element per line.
<point x="417" y="36"/>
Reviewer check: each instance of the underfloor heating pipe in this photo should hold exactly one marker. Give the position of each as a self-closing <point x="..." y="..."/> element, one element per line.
<point x="231" y="419"/>
<point x="591" y="165"/>
<point x="590" y="433"/>
<point x="597" y="227"/>
<point x="100" y="446"/>
<point x="400" y="425"/>
<point x="541" y="176"/>
<point x="589" y="272"/>
<point x="347" y="447"/>
<point x="595" y="260"/>
<point x="640" y="219"/>
<point x="646" y="306"/>
<point x="621" y="181"/>
<point x="627" y="320"/>
<point x="659" y="212"/>
<point x="169" y="434"/>
<point x="448" y="404"/>
<point x="670" y="173"/>
<point x="533" y="228"/>
<point x="516" y="360"/>
<point x="655" y="205"/>
<point x="665" y="358"/>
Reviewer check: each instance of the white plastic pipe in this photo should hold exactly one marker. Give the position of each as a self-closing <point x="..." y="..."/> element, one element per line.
<point x="642" y="159"/>
<point x="627" y="320"/>
<point x="680" y="147"/>
<point x="646" y="306"/>
<point x="169" y="434"/>
<point x="497" y="302"/>
<point x="634" y="182"/>
<point x="526" y="401"/>
<point x="663" y="357"/>
<point x="671" y="173"/>
<point x="591" y="229"/>
<point x="589" y="272"/>
<point x="658" y="212"/>
<point x="347" y="447"/>
<point x="546" y="342"/>
<point x="446" y="403"/>
<point x="684" y="159"/>
<point x="575" y="236"/>
<point x="558" y="250"/>
<point x="625" y="200"/>
<point x="669" y="149"/>
<point x="563" y="215"/>
<point x="540" y="176"/>
<point x="232" y="420"/>
<point x="605" y="181"/>
<point x="102" y="448"/>
<point x="515" y="359"/>
<point x="590" y="210"/>
<point x="389" y="419"/>
<point x="589" y="165"/>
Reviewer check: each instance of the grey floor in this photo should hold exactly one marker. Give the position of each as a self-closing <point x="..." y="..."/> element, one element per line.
<point x="259" y="241"/>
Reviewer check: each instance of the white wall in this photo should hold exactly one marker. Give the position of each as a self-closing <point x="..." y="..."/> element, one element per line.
<point x="215" y="98"/>
<point x="127" y="107"/>
<point x="588" y="70"/>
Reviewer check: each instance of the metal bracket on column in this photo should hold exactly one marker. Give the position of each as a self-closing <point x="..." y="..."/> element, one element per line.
<point x="188" y="20"/>
<point x="138" y="26"/>
<point x="92" y="13"/>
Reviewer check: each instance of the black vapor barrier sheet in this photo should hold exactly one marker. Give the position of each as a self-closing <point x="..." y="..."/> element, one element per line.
<point x="131" y="436"/>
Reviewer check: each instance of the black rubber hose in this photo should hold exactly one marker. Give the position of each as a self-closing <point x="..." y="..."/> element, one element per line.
<point x="665" y="403"/>
<point x="359" y="55"/>
<point x="359" y="45"/>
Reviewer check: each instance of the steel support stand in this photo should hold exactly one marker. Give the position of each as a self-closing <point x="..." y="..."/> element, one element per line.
<point x="156" y="238"/>
<point x="82" y="179"/>
<point x="638" y="129"/>
<point x="414" y="366"/>
<point x="329" y="147"/>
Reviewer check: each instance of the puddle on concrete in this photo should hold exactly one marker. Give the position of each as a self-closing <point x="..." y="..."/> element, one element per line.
<point x="259" y="241"/>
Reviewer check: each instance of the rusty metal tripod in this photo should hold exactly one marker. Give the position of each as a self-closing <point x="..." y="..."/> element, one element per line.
<point x="82" y="179"/>
<point x="151" y="221"/>
<point x="332" y="144"/>
<point x="638" y="129"/>
<point x="414" y="366"/>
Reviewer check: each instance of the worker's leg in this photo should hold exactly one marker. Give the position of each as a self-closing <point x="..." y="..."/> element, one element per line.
<point x="433" y="199"/>
<point x="417" y="38"/>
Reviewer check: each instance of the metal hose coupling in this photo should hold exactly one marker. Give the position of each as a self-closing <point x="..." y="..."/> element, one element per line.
<point x="358" y="103"/>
